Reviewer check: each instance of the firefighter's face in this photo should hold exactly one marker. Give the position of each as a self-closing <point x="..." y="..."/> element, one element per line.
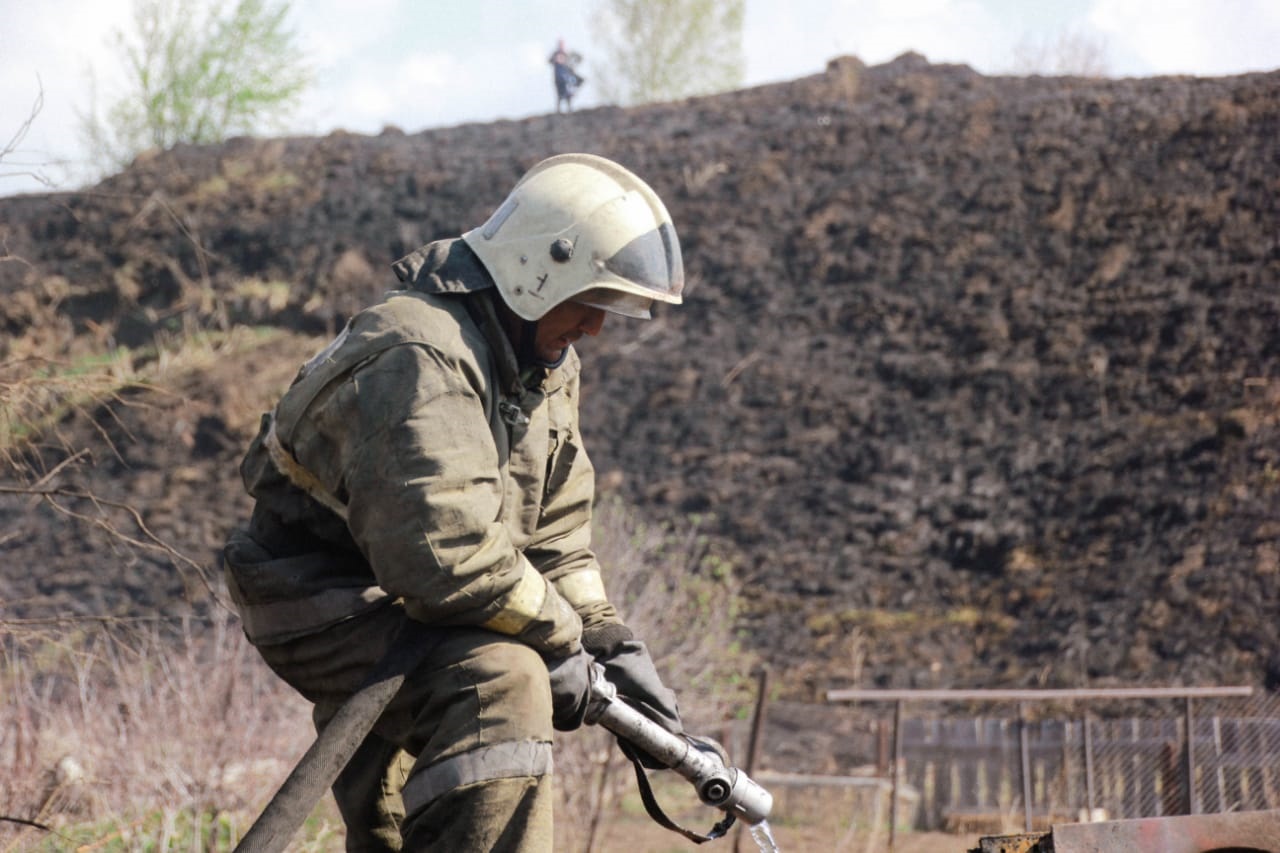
<point x="563" y="325"/>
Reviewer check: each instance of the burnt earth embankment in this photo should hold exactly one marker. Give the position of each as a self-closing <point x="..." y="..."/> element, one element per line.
<point x="976" y="383"/>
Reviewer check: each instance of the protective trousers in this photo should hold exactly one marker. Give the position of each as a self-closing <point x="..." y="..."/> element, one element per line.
<point x="460" y="760"/>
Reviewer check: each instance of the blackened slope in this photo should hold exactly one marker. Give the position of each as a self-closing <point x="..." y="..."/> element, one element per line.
<point x="976" y="374"/>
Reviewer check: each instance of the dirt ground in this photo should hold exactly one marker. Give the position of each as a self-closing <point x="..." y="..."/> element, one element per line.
<point x="636" y="837"/>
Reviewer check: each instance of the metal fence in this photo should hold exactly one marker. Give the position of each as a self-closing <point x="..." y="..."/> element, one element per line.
<point x="1004" y="760"/>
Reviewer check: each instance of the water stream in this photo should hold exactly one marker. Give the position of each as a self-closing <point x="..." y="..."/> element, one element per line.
<point x="763" y="837"/>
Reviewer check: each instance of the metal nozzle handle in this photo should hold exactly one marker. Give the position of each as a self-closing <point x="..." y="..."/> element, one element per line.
<point x="720" y="786"/>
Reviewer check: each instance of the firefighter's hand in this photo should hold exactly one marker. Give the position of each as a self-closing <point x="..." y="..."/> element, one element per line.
<point x="629" y="668"/>
<point x="570" y="690"/>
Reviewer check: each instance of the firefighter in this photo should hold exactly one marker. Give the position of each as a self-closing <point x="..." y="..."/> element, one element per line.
<point x="425" y="471"/>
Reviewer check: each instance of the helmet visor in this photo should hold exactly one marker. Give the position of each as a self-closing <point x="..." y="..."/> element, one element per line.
<point x="652" y="261"/>
<point x="616" y="302"/>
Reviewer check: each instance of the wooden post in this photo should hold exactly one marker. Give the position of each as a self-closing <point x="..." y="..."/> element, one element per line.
<point x="1173" y="799"/>
<point x="1090" y="800"/>
<point x="897" y="762"/>
<point x="757" y="726"/>
<point x="1132" y="768"/>
<point x="1024" y="753"/>
<point x="882" y="745"/>
<point x="1064" y="772"/>
<point x="757" y="720"/>
<point x="1217" y="763"/>
<point x="1193" y="807"/>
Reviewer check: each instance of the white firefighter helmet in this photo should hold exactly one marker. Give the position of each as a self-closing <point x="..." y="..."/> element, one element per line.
<point x="580" y="227"/>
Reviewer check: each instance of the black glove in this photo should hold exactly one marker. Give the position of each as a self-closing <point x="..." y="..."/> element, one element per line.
<point x="570" y="690"/>
<point x="629" y="668"/>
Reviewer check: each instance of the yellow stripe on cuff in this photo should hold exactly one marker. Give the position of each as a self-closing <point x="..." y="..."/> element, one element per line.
<point x="582" y="588"/>
<point x="521" y="604"/>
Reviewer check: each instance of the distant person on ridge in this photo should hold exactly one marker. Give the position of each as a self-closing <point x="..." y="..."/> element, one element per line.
<point x="567" y="80"/>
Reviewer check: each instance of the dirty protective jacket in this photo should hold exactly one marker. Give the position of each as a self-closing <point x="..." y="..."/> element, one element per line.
<point x="414" y="459"/>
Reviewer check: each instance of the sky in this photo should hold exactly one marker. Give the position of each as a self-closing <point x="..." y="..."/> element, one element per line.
<point x="419" y="64"/>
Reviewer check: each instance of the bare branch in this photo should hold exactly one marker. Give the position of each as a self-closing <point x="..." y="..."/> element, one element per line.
<point x="20" y="134"/>
<point x="149" y="541"/>
<point x="35" y="824"/>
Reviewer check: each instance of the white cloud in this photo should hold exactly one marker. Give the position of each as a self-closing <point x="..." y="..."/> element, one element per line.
<point x="962" y="31"/>
<point x="1192" y="37"/>
<point x="336" y="31"/>
<point x="778" y="43"/>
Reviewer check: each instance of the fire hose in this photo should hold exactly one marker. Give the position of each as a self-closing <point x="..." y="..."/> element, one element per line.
<point x="718" y="785"/>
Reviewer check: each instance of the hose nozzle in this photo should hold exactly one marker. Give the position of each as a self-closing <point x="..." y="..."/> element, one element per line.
<point x="718" y="785"/>
<point x="736" y="793"/>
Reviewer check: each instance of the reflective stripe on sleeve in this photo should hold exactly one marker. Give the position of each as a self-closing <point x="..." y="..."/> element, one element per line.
<point x="295" y="473"/>
<point x="501" y="761"/>
<point x="521" y="604"/>
<point x="582" y="588"/>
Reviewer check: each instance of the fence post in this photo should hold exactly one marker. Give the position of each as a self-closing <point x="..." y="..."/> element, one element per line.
<point x="757" y="726"/>
<point x="1024" y="754"/>
<point x="882" y="745"/>
<point x="1189" y="723"/>
<point x="897" y="761"/>
<point x="1217" y="763"/>
<point x="1088" y="766"/>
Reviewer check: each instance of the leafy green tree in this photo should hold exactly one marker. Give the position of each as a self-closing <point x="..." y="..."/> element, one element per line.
<point x="655" y="50"/>
<point x="198" y="71"/>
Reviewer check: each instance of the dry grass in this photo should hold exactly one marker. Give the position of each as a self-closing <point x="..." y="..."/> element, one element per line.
<point x="37" y="394"/>
<point x="140" y="735"/>
<point x="171" y="735"/>
<point x="164" y="735"/>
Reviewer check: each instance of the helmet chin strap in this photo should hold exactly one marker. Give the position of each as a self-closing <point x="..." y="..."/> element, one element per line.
<point x="523" y="335"/>
<point x="525" y="352"/>
<point x="552" y="365"/>
<point x="528" y="339"/>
